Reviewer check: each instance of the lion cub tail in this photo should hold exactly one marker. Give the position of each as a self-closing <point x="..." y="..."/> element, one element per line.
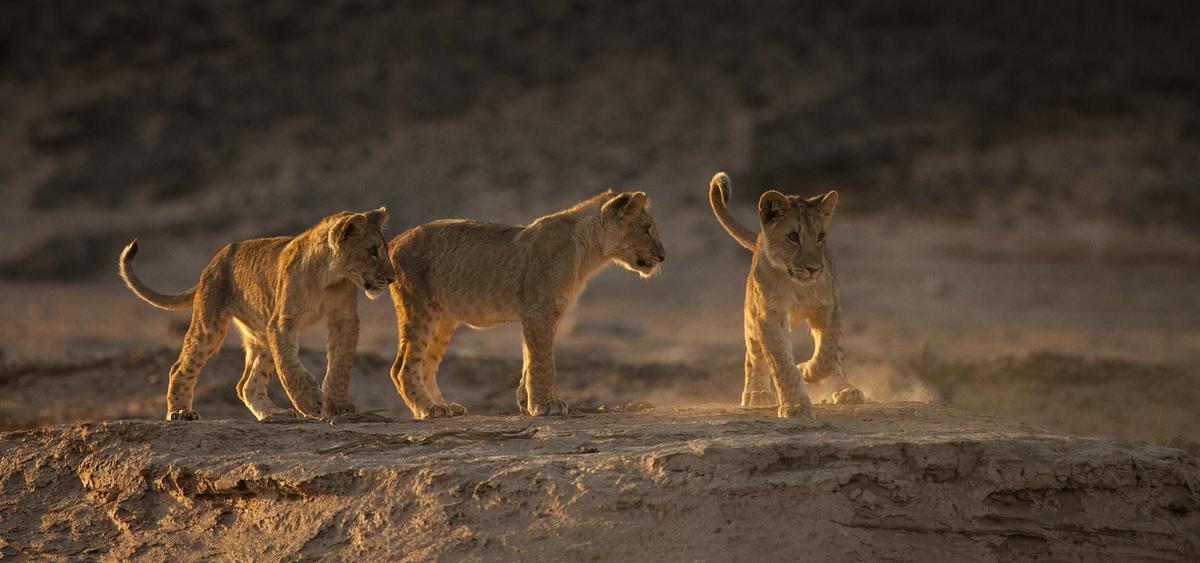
<point x="175" y="302"/>
<point x="718" y="195"/>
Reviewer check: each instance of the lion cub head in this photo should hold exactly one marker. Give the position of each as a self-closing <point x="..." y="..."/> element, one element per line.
<point x="631" y="232"/>
<point x="360" y="251"/>
<point x="793" y="232"/>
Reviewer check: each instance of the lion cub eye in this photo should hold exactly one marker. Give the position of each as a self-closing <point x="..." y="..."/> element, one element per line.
<point x="794" y="237"/>
<point x="820" y="237"/>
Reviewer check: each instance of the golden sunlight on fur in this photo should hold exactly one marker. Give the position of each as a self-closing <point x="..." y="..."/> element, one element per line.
<point x="792" y="280"/>
<point x="272" y="288"/>
<point x="482" y="274"/>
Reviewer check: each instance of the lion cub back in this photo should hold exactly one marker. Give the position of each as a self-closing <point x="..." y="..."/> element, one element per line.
<point x="470" y="269"/>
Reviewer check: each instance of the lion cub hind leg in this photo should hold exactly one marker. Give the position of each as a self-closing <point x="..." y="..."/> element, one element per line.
<point x="252" y="387"/>
<point x="416" y="328"/>
<point x="203" y="338"/>
<point x="254" y="392"/>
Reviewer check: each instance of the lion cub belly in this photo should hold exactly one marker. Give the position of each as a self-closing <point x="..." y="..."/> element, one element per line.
<point x="481" y="309"/>
<point x="257" y="315"/>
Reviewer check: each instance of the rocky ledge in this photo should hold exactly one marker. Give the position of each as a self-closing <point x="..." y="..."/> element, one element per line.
<point x="878" y="481"/>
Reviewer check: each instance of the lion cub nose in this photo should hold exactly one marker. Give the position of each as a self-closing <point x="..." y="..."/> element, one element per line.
<point x="813" y="269"/>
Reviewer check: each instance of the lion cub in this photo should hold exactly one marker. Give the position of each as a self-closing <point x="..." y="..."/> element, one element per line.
<point x="272" y="288"/>
<point x="482" y="274"/>
<point x="791" y="280"/>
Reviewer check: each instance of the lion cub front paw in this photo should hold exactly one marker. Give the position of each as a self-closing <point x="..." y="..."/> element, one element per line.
<point x="334" y="407"/>
<point x="282" y="415"/>
<point x="758" y="399"/>
<point x="309" y="406"/>
<point x="848" y="396"/>
<point x="457" y="409"/>
<point x="522" y="398"/>
<point x="435" y="411"/>
<point x="183" y="414"/>
<point x="797" y="410"/>
<point x="551" y="407"/>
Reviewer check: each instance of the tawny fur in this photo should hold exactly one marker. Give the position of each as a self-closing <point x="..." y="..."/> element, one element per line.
<point x="482" y="274"/>
<point x="792" y="280"/>
<point x="272" y="288"/>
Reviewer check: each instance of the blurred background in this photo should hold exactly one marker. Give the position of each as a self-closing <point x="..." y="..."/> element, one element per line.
<point x="1017" y="230"/>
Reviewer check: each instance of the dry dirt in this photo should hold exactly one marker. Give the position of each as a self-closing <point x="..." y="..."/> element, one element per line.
<point x="620" y="479"/>
<point x="988" y="325"/>
<point x="1072" y="344"/>
<point x="902" y="481"/>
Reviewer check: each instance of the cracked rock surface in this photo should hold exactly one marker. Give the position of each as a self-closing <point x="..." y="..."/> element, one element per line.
<point x="903" y="481"/>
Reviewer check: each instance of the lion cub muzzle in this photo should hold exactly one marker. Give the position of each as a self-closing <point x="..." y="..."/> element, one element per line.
<point x="378" y="285"/>
<point x="648" y="264"/>
<point x="805" y="274"/>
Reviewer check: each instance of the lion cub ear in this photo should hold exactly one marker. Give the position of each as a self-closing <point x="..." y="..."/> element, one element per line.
<point x="771" y="206"/>
<point x="348" y="227"/>
<point x="625" y="205"/>
<point x="378" y="217"/>
<point x="825" y="204"/>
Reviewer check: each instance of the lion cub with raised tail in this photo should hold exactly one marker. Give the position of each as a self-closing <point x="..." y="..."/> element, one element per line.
<point x="482" y="274"/>
<point x="272" y="288"/>
<point x="792" y="280"/>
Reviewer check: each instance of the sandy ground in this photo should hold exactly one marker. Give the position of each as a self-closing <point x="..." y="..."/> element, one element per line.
<point x="903" y="481"/>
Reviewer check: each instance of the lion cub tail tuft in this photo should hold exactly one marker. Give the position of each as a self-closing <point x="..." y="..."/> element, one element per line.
<point x="719" y="190"/>
<point x="173" y="302"/>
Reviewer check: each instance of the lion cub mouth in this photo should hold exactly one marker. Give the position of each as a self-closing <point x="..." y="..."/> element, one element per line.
<point x="802" y="278"/>
<point x="646" y="267"/>
<point x="375" y="289"/>
<point x="373" y="292"/>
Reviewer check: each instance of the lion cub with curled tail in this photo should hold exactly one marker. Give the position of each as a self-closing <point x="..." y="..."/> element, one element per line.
<point x="482" y="274"/>
<point x="791" y="280"/>
<point x="272" y="288"/>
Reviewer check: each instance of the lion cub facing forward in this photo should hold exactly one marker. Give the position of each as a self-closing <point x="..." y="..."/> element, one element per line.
<point x="482" y="274"/>
<point x="791" y="280"/>
<point x="273" y="288"/>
